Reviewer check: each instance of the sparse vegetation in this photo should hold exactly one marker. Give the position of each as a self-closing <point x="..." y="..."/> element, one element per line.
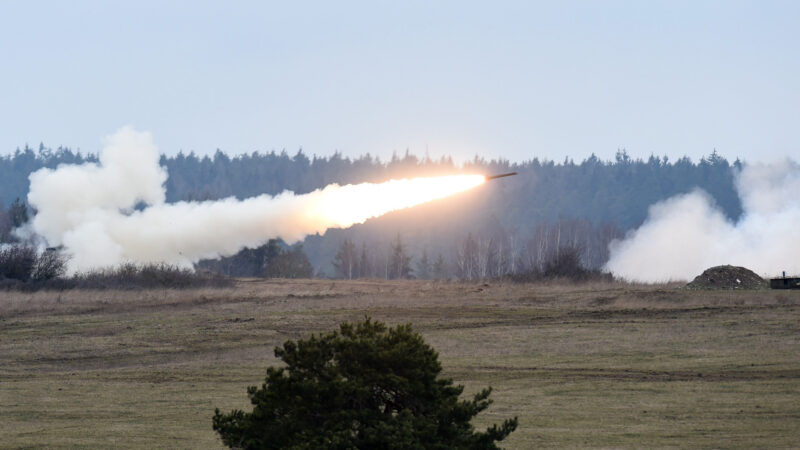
<point x="563" y="263"/>
<point x="23" y="268"/>
<point x="289" y="263"/>
<point x="17" y="262"/>
<point x="50" y="265"/>
<point x="148" y="276"/>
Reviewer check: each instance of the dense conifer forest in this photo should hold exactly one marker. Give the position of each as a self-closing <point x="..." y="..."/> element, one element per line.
<point x="500" y="228"/>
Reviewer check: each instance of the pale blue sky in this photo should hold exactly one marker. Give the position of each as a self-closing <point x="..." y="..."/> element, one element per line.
<point x="501" y="79"/>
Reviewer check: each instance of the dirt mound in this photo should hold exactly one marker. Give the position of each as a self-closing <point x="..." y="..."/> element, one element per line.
<point x="727" y="277"/>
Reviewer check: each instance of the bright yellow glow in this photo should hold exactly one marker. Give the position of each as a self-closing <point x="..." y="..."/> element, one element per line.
<point x="347" y="205"/>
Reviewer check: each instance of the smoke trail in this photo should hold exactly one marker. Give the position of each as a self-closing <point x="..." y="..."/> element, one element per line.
<point x="89" y="209"/>
<point x="687" y="234"/>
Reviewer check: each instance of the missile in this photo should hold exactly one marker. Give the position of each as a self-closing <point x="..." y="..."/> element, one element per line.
<point x="502" y="175"/>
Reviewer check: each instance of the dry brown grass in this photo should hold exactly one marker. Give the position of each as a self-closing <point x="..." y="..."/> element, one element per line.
<point x="602" y="364"/>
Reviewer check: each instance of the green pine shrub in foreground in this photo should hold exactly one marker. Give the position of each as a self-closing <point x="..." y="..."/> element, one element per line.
<point x="365" y="386"/>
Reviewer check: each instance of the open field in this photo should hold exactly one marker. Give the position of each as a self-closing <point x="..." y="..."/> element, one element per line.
<point x="604" y="365"/>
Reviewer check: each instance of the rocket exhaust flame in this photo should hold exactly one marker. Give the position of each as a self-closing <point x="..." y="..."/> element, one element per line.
<point x="347" y="205"/>
<point x="89" y="209"/>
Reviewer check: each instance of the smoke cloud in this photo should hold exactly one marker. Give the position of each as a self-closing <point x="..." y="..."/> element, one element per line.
<point x="91" y="209"/>
<point x="687" y="234"/>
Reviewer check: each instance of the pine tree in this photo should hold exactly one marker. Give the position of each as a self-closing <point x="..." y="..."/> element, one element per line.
<point x="424" y="266"/>
<point x="5" y="224"/>
<point x="439" y="268"/>
<point x="346" y="260"/>
<point x="364" y="263"/>
<point x="289" y="263"/>
<point x="400" y="264"/>
<point x="18" y="213"/>
<point x="365" y="386"/>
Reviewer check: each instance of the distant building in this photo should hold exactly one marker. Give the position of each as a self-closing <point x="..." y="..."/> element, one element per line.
<point x="784" y="282"/>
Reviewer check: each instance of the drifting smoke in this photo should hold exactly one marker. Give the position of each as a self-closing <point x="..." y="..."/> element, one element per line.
<point x="91" y="209"/>
<point x="686" y="234"/>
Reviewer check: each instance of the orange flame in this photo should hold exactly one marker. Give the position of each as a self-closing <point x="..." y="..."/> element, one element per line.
<point x="347" y="205"/>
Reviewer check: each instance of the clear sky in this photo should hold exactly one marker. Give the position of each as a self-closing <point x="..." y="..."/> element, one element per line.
<point x="495" y="78"/>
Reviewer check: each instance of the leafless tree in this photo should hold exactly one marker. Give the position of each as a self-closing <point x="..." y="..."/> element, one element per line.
<point x="346" y="260"/>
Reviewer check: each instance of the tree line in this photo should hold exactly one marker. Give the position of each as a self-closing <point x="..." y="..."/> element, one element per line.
<point x="497" y="229"/>
<point x="618" y="190"/>
<point x="500" y="254"/>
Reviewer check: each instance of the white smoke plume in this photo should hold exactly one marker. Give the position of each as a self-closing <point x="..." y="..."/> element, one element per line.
<point x="90" y="209"/>
<point x="687" y="234"/>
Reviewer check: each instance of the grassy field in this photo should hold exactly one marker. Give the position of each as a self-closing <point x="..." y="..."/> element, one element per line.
<point x="600" y="365"/>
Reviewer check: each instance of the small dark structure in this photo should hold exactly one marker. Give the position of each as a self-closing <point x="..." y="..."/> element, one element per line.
<point x="784" y="282"/>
